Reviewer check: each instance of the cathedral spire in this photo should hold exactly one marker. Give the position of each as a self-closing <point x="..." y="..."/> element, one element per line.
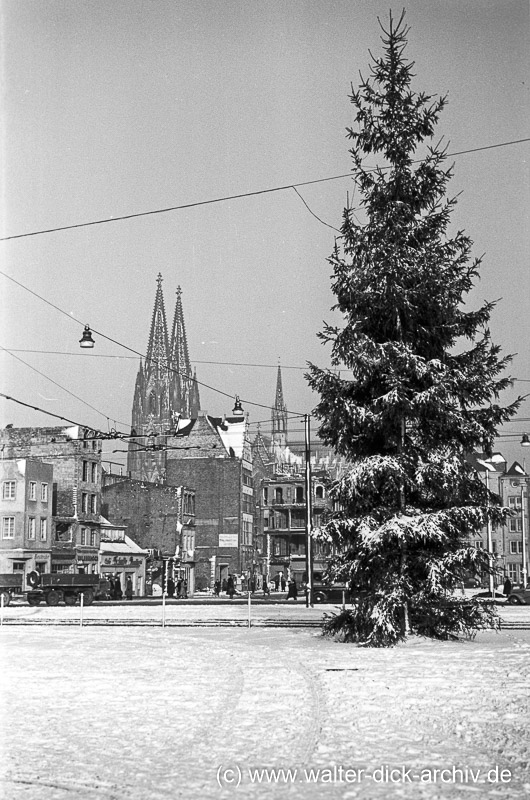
<point x="187" y="400"/>
<point x="157" y="359"/>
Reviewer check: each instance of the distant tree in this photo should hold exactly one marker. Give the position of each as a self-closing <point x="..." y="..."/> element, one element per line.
<point x="417" y="402"/>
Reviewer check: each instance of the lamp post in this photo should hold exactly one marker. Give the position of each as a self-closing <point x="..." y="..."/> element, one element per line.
<point x="525" y="442"/>
<point x="309" y="510"/>
<point x="489" y="468"/>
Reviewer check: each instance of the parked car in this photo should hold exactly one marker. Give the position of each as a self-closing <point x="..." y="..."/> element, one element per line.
<point x="519" y="597"/>
<point x="330" y="593"/>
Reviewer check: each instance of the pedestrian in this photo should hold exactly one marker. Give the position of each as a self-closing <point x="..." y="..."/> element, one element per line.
<point x="293" y="589"/>
<point x="224" y="585"/>
<point x="230" y="588"/>
<point x="217" y="588"/>
<point x="265" y="586"/>
<point x="129" y="589"/>
<point x="185" y="589"/>
<point x="179" y="587"/>
<point x="283" y="582"/>
<point x="253" y="584"/>
<point x="112" y="588"/>
<point x="507" y="588"/>
<point x="118" y="594"/>
<point x="170" y="587"/>
<point x="277" y="582"/>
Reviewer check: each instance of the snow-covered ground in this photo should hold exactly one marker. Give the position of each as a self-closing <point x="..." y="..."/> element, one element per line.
<point x="141" y="713"/>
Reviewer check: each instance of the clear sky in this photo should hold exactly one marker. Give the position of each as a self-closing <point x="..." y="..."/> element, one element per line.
<point x="122" y="107"/>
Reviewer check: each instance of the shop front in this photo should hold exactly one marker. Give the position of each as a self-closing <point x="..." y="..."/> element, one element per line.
<point x="121" y="560"/>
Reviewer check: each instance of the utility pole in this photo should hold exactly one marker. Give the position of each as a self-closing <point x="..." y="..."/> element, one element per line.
<point x="309" y="512"/>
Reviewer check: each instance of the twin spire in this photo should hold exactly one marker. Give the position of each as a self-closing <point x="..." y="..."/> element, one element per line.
<point x="167" y="385"/>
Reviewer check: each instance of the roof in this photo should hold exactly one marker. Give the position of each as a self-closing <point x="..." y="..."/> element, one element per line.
<point x="123" y="547"/>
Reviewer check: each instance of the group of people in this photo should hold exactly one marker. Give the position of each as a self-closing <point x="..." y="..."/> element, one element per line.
<point x="228" y="586"/>
<point x="177" y="589"/>
<point x="116" y="592"/>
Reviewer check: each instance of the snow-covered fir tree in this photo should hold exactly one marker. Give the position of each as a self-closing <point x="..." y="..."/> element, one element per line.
<point x="425" y="376"/>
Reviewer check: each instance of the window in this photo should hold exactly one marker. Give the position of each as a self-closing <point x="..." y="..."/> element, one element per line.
<point x="33" y="490"/>
<point x="83" y="536"/>
<point x="516" y="525"/>
<point x="94" y="444"/>
<point x="265" y="495"/>
<point x="62" y="568"/>
<point x="93" y="538"/>
<point x="514" y="502"/>
<point x="513" y="572"/>
<point x="93" y="503"/>
<point x="31" y="528"/>
<point x="8" y="527"/>
<point x="43" y="529"/>
<point x="85" y="471"/>
<point x="18" y="566"/>
<point x="516" y="547"/>
<point x="9" y="492"/>
<point x="278" y="496"/>
<point x="44" y="492"/>
<point x="299" y="494"/>
<point x="40" y="566"/>
<point x="94" y="471"/>
<point x="320" y="492"/>
<point x="84" y="502"/>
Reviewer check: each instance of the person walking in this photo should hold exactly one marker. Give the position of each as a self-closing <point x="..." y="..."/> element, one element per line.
<point x="224" y="585"/>
<point x="179" y="587"/>
<point x="185" y="589"/>
<point x="129" y="589"/>
<point x="293" y="589"/>
<point x="170" y="587"/>
<point x="265" y="586"/>
<point x="217" y="588"/>
<point x="282" y="581"/>
<point x="277" y="582"/>
<point x="230" y="587"/>
<point x="507" y="588"/>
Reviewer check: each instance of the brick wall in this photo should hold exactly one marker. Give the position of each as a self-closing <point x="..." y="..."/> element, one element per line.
<point x="150" y="511"/>
<point x="217" y="509"/>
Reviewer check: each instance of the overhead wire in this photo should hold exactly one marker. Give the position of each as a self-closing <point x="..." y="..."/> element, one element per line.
<point x="142" y="355"/>
<point x="64" y="389"/>
<point x="241" y="195"/>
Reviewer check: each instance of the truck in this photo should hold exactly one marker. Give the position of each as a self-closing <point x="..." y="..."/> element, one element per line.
<point x="56" y="587"/>
<point x="10" y="584"/>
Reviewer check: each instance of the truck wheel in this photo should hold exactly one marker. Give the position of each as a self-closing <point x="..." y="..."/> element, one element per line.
<point x="70" y="599"/>
<point x="53" y="598"/>
<point x="34" y="598"/>
<point x="6" y="597"/>
<point x="88" y="597"/>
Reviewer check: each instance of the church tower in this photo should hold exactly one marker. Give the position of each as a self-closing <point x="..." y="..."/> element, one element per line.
<point x="164" y="392"/>
<point x="279" y="416"/>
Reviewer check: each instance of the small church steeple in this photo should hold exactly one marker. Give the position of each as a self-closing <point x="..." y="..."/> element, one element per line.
<point x="279" y="414"/>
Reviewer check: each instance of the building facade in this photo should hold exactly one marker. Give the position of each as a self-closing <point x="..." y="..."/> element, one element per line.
<point x="160" y="521"/>
<point x="74" y="454"/>
<point x="25" y="516"/>
<point x="213" y="455"/>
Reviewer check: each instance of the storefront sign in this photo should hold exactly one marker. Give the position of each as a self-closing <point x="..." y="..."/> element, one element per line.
<point x="121" y="561"/>
<point x="228" y="540"/>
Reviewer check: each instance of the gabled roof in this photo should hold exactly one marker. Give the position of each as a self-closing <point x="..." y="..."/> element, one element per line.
<point x="516" y="469"/>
